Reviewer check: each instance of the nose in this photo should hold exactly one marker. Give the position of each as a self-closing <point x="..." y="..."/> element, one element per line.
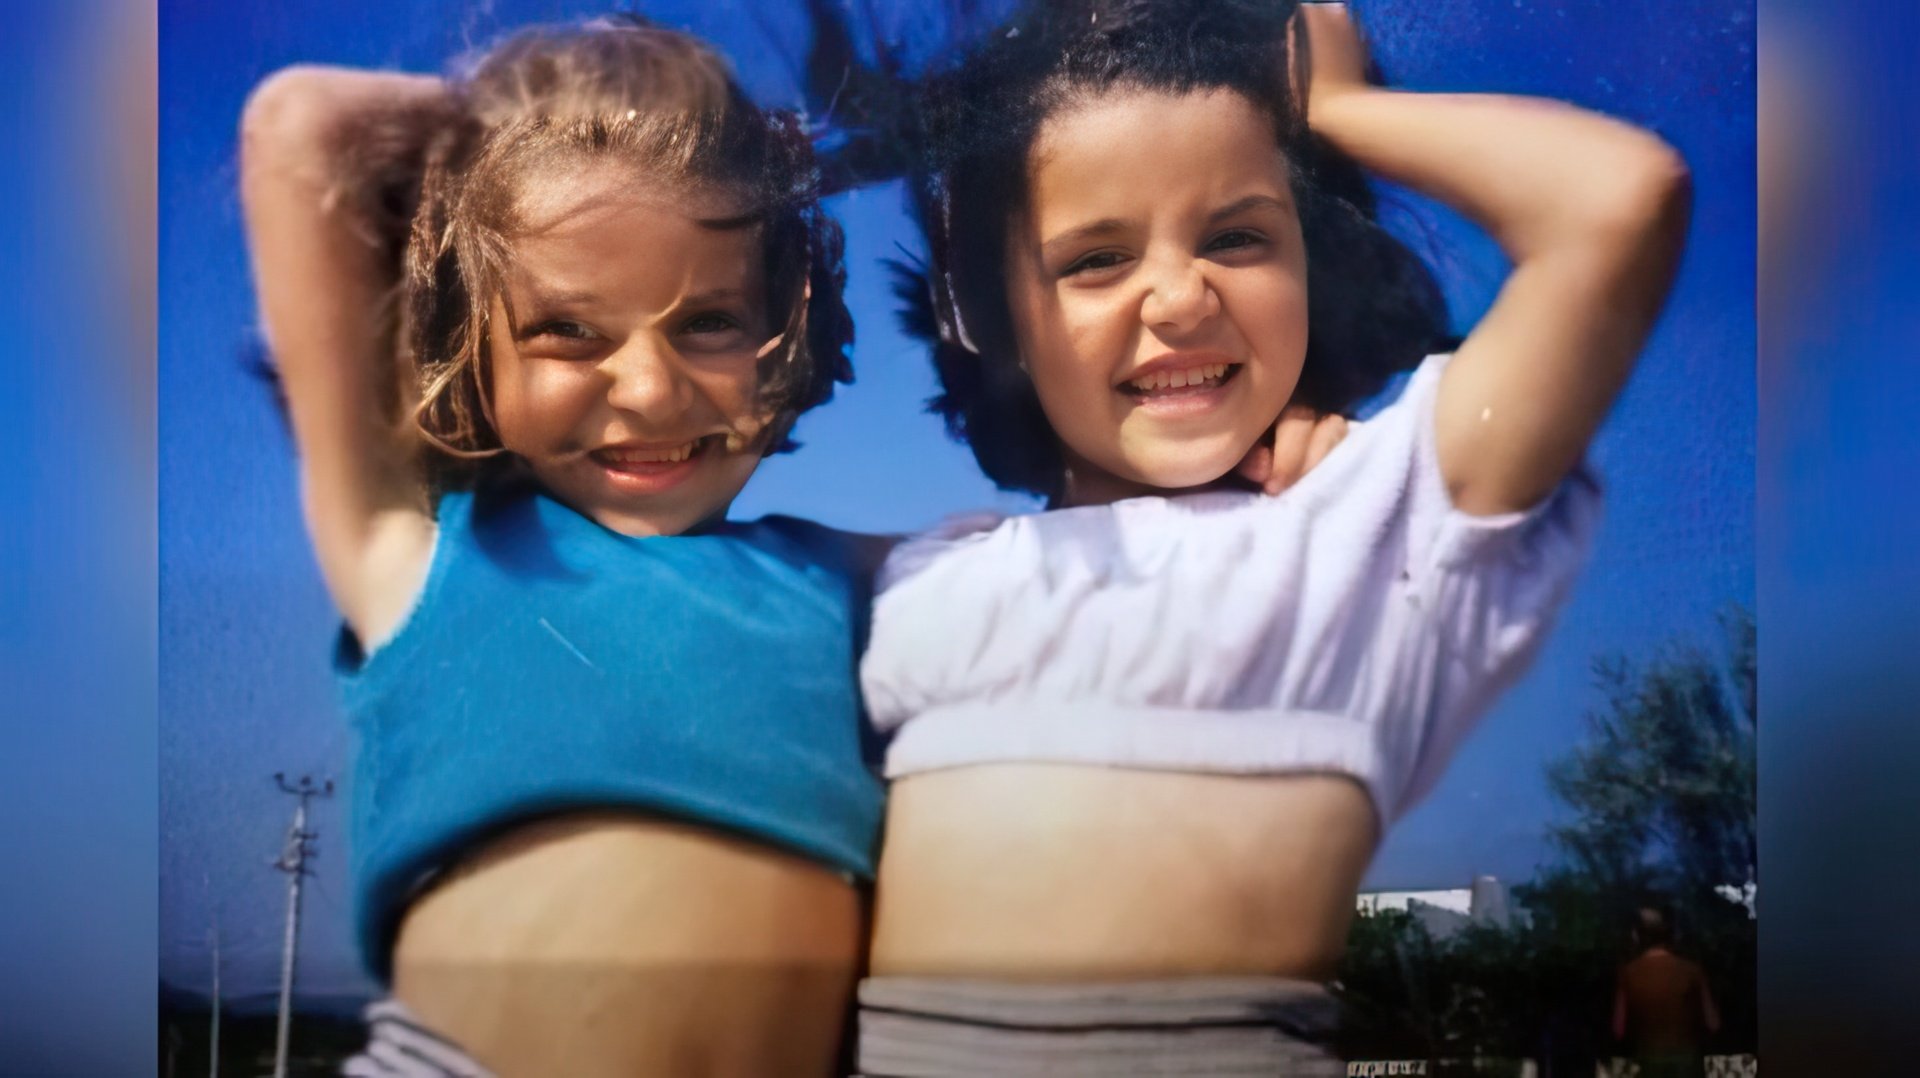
<point x="1179" y="297"/>
<point x="649" y="381"/>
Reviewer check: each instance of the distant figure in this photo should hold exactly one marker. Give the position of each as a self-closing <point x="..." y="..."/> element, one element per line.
<point x="1662" y="1007"/>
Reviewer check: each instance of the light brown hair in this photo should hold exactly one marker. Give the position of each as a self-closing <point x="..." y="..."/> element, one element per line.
<point x="543" y="103"/>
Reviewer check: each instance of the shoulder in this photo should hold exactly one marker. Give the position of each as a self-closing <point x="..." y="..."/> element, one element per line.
<point x="797" y="531"/>
<point x="855" y="553"/>
<point x="1562" y="523"/>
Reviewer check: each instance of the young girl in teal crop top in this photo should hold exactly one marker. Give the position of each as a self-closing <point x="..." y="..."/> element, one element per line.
<point x="609" y="804"/>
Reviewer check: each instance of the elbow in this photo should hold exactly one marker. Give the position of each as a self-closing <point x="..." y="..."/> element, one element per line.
<point x="1662" y="188"/>
<point x="1648" y="194"/>
<point x="292" y="117"/>
<point x="1626" y="194"/>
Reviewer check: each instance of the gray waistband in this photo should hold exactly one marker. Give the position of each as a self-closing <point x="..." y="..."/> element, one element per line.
<point x="400" y="1046"/>
<point x="939" y="1027"/>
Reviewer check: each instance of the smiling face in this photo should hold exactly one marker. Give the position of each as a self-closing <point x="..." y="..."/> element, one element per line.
<point x="1158" y="287"/>
<point x="623" y="354"/>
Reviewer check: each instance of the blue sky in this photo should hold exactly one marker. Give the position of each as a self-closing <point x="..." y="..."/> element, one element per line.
<point x="245" y="626"/>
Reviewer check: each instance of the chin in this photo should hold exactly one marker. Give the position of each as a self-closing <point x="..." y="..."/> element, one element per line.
<point x="698" y="500"/>
<point x="644" y="518"/>
<point x="639" y="525"/>
<point x="1181" y="469"/>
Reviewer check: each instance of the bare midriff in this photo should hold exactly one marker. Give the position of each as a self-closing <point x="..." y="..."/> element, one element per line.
<point x="613" y="945"/>
<point x="1069" y="872"/>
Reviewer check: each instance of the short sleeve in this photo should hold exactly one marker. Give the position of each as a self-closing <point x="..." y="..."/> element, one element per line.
<point x="1491" y="587"/>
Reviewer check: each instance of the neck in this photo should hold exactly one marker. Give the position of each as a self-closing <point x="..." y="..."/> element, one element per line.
<point x="1088" y="485"/>
<point x="1098" y="488"/>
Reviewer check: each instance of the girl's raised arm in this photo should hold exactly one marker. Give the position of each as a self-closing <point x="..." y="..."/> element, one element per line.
<point x="326" y="280"/>
<point x="1591" y="211"/>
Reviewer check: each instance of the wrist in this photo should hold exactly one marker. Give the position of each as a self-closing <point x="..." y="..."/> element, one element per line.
<point x="1329" y="104"/>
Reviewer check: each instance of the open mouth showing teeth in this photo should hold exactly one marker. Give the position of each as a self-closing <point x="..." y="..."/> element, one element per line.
<point x="1161" y="383"/>
<point x="635" y="459"/>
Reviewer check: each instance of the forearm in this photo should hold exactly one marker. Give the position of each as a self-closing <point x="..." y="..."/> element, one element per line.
<point x="337" y="138"/>
<point x="325" y="275"/>
<point x="1538" y="175"/>
<point x="324" y="272"/>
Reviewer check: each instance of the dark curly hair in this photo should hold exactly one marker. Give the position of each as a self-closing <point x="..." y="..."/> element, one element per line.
<point x="1374" y="308"/>
<point x="538" y="104"/>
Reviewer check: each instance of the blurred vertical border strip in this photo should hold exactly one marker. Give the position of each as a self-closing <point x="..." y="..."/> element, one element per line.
<point x="1839" y="588"/>
<point x="77" y="533"/>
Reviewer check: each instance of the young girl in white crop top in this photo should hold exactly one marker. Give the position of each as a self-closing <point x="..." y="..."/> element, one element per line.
<point x="1146" y="742"/>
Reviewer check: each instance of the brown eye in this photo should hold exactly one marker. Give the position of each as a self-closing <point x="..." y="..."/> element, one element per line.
<point x="562" y="329"/>
<point x="1093" y="263"/>
<point x="711" y="323"/>
<point x="561" y="338"/>
<point x="714" y="333"/>
<point x="1237" y="239"/>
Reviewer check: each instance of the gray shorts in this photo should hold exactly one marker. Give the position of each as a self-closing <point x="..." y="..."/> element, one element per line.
<point x="913" y="1027"/>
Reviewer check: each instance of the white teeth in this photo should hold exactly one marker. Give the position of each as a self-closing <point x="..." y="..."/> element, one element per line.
<point x="1180" y="379"/>
<point x="651" y="456"/>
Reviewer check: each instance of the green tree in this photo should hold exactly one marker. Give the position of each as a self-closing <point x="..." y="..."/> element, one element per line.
<point x="1662" y="791"/>
<point x="1660" y="799"/>
<point x="1662" y="810"/>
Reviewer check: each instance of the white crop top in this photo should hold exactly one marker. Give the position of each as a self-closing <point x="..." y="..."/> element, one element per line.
<point x="1357" y="623"/>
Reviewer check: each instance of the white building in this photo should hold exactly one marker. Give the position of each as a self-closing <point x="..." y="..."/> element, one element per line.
<point x="1445" y="911"/>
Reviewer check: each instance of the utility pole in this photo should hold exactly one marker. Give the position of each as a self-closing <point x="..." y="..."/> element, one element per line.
<point x="293" y="862"/>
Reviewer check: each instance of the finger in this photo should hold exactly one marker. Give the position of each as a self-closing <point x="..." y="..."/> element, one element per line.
<point x="1255" y="466"/>
<point x="1328" y="433"/>
<point x="1339" y="51"/>
<point x="1290" y="437"/>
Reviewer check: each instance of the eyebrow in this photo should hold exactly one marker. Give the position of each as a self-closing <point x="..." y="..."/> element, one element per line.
<point x="730" y="224"/>
<point x="1104" y="227"/>
<point x="542" y="299"/>
<point x="537" y="303"/>
<point x="543" y="303"/>
<point x="1251" y="202"/>
<point x="712" y="295"/>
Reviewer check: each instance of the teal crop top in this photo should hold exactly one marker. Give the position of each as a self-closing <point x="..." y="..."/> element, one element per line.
<point x="552" y="665"/>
